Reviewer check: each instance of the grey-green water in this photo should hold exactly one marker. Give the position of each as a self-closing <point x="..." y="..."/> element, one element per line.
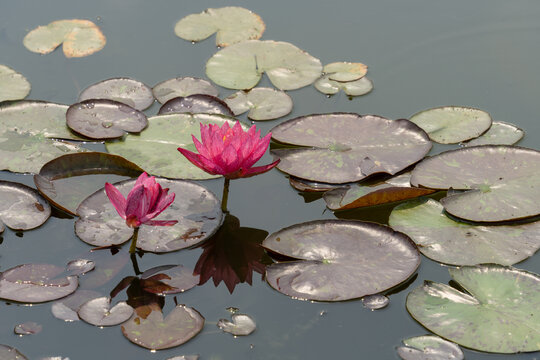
<point x="420" y="53"/>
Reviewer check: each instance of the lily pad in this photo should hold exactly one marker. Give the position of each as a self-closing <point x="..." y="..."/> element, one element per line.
<point x="176" y="276"/>
<point x="99" y="312"/>
<point x="125" y="90"/>
<point x="182" y="87"/>
<point x="156" y="333"/>
<point x="375" y="302"/>
<point x="185" y="357"/>
<point x="339" y="260"/>
<point x="28" y="328"/>
<point x="429" y="347"/>
<point x="21" y="207"/>
<point x="345" y="71"/>
<point x="80" y="266"/>
<point x="10" y="353"/>
<point x="340" y="147"/>
<point x="13" y="86"/>
<point x="352" y="88"/>
<point x="378" y="192"/>
<point x="313" y="186"/>
<point x="262" y="103"/>
<point x="155" y="149"/>
<point x="66" y="308"/>
<point x="80" y="38"/>
<point x="240" y="325"/>
<point x="454" y="242"/>
<point x="499" y="313"/>
<point x="241" y="66"/>
<point x="197" y="211"/>
<point x="67" y="180"/>
<point x="198" y="103"/>
<point x="502" y="180"/>
<point x="35" y="283"/>
<point x="233" y="24"/>
<point x="500" y="133"/>
<point x="452" y="124"/>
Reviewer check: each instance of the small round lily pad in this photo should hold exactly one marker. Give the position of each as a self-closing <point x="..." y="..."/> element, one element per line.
<point x="182" y="87"/>
<point x="262" y="103"/>
<point x="99" y="312"/>
<point x="375" y="302"/>
<point x="352" y="88"/>
<point x="345" y="71"/>
<point x="21" y="207"/>
<point x="198" y="103"/>
<point x="13" y="86"/>
<point x="500" y="133"/>
<point x="239" y="325"/>
<point x="429" y="347"/>
<point x="125" y="90"/>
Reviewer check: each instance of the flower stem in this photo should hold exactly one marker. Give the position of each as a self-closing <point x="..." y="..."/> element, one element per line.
<point x="225" y="195"/>
<point x="133" y="246"/>
<point x="135" y="264"/>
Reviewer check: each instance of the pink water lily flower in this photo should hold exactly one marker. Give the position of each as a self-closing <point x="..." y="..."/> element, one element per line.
<point x="230" y="152"/>
<point x="146" y="200"/>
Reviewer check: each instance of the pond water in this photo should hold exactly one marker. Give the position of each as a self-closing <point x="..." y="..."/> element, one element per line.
<point x="420" y="53"/>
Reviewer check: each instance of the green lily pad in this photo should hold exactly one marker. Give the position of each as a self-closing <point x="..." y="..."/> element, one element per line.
<point x="449" y="241"/>
<point x="156" y="333"/>
<point x="233" y="24"/>
<point x="352" y="88"/>
<point x="499" y="313"/>
<point x="262" y="103"/>
<point x="10" y="353"/>
<point x="197" y="211"/>
<point x="80" y="38"/>
<point x="35" y="283"/>
<point x="21" y="207"/>
<point x="377" y="192"/>
<point x="182" y="87"/>
<point x="155" y="149"/>
<point x="452" y="124"/>
<point x="239" y="325"/>
<point x="502" y="180"/>
<point x="13" y="86"/>
<point x="198" y="103"/>
<point x="125" y="90"/>
<point x="429" y="347"/>
<point x="340" y="147"/>
<point x="241" y="66"/>
<point x="69" y="179"/>
<point x="500" y="133"/>
<point x="339" y="260"/>
<point x="98" y="312"/>
<point x="345" y="71"/>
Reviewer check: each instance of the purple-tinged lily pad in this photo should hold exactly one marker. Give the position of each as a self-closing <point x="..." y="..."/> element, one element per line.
<point x="454" y="242"/>
<point x="156" y="333"/>
<point x="80" y="266"/>
<point x="198" y="103"/>
<point x="262" y="103"/>
<point x="99" y="312"/>
<point x="10" y="353"/>
<point x="375" y="302"/>
<point x="502" y="181"/>
<point x="240" y="66"/>
<point x="28" y="328"/>
<point x="452" y="124"/>
<point x="21" y="207"/>
<point x="35" y="283"/>
<point x="66" y="309"/>
<point x="104" y="119"/>
<point x="13" y="86"/>
<point x="339" y="260"/>
<point x="125" y="90"/>
<point x="429" y="347"/>
<point x="176" y="276"/>
<point x="196" y="209"/>
<point x="239" y="325"/>
<point x="183" y="87"/>
<point x="341" y="147"/>
<point x="352" y="88"/>
<point x="500" y="133"/>
<point x="499" y="313"/>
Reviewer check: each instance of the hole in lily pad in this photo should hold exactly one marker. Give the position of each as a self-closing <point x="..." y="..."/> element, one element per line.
<point x="240" y="325"/>
<point x="429" y="347"/>
<point x="125" y="90"/>
<point x="99" y="312"/>
<point x="500" y="133"/>
<point x="13" y="86"/>
<point x="198" y="103"/>
<point x="183" y="87"/>
<point x="21" y="207"/>
<point x="262" y="103"/>
<point x="28" y="328"/>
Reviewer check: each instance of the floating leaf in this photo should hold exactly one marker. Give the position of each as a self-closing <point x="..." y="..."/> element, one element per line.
<point x="80" y="266"/>
<point x="499" y="313"/>
<point x="500" y="133"/>
<point x="241" y="325"/>
<point x="182" y="87"/>
<point x="35" y="283"/>
<point x="156" y="333"/>
<point x="155" y="149"/>
<point x="429" y="347"/>
<point x="449" y="241"/>
<point x="80" y="38"/>
<point x="352" y="88"/>
<point x="375" y="302"/>
<point x="28" y="328"/>
<point x="185" y="357"/>
<point x="197" y="211"/>
<point x="198" y="103"/>
<point x="10" y="353"/>
<point x="340" y="147"/>
<point x="503" y="181"/>
<point x="233" y="24"/>
<point x="452" y="124"/>
<point x="13" y="86"/>
<point x="345" y="71"/>
<point x="176" y="276"/>
<point x="241" y="66"/>
<point x="21" y="207"/>
<point x="66" y="308"/>
<point x="312" y="186"/>
<point x="339" y="260"/>
<point x="99" y="313"/>
<point x="262" y="103"/>
<point x="125" y="90"/>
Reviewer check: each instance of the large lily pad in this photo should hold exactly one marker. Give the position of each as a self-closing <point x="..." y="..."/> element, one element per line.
<point x="21" y="207"/>
<point x="155" y="149"/>
<point x="262" y="103"/>
<point x="503" y="181"/>
<point x="13" y="86"/>
<point x="241" y="66"/>
<point x="156" y="333"/>
<point x="182" y="87"/>
<point x="233" y="24"/>
<point x="352" y="88"/>
<point x="69" y="179"/>
<point x="80" y="38"/>
<point x="125" y="90"/>
<point x="500" y="133"/>
<point x="449" y="241"/>
<point x="500" y="313"/>
<point x="197" y="211"/>
<point x="35" y="283"/>
<point x="339" y="260"/>
<point x="339" y="148"/>
<point x="452" y="124"/>
<point x="198" y="103"/>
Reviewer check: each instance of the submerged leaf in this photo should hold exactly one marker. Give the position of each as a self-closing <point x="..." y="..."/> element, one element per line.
<point x="66" y="308"/>
<point x="125" y="90"/>
<point x="182" y="87"/>
<point x="262" y="103"/>
<point x="21" y="207"/>
<point x="13" y="86"/>
<point x="178" y="277"/>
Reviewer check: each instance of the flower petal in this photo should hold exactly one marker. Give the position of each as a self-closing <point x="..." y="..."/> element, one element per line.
<point x="252" y="171"/>
<point x="135" y="201"/>
<point x="117" y="199"/>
